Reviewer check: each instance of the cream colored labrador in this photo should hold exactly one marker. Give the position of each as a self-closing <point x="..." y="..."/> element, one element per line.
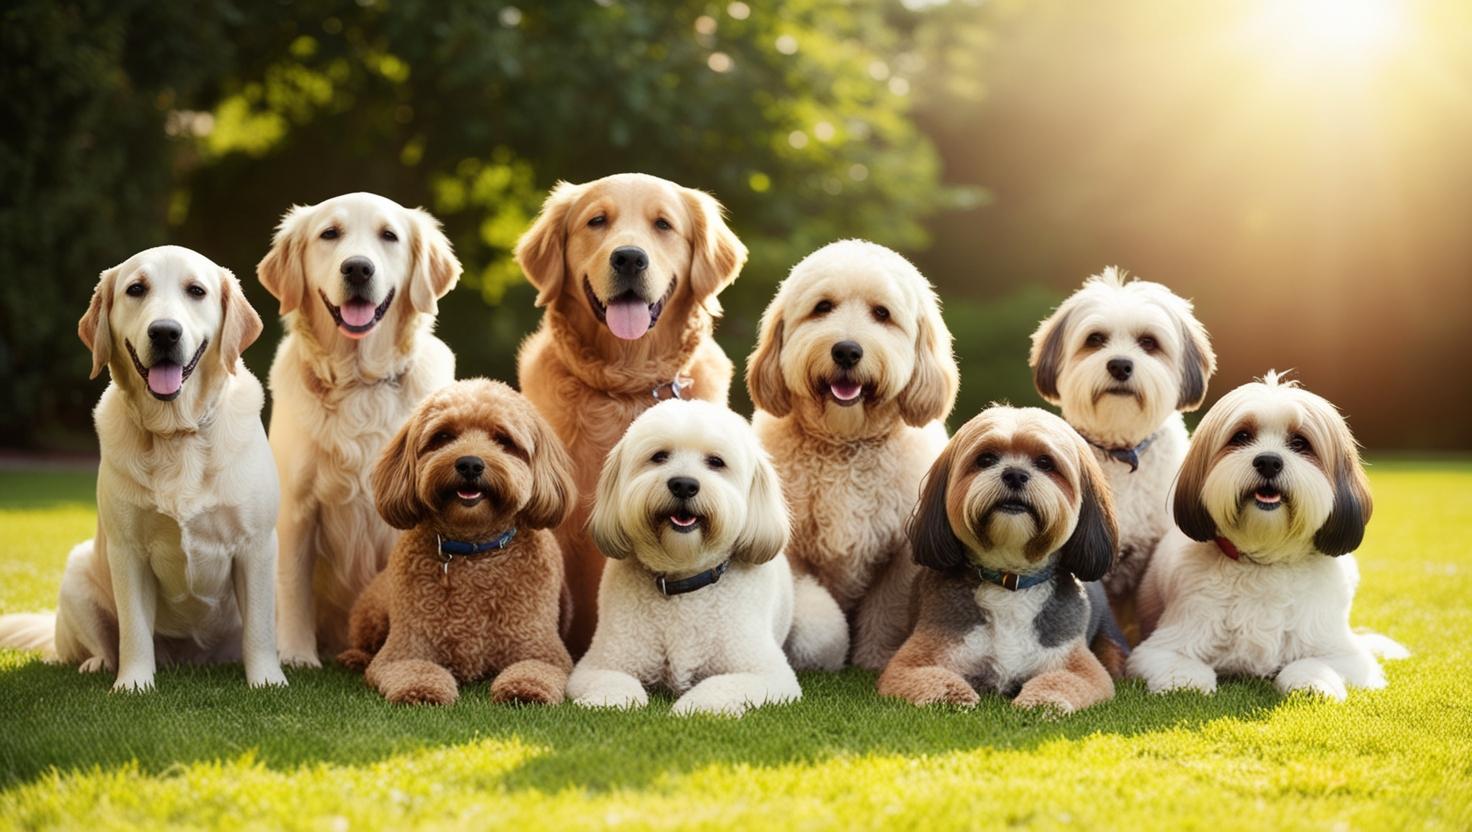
<point x="182" y="565"/>
<point x="358" y="277"/>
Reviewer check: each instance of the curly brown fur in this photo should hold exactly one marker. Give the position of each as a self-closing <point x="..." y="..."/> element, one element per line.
<point x="427" y="628"/>
<point x="591" y="384"/>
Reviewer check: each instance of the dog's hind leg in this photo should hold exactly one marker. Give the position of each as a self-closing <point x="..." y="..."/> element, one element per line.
<point x="882" y="619"/>
<point x="86" y="625"/>
<point x="367" y="625"/>
<point x="819" y="636"/>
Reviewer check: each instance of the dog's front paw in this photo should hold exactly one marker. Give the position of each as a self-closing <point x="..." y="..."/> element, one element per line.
<point x="620" y="698"/>
<point x="306" y="658"/>
<point x="1318" y="680"/>
<point x="133" y="683"/>
<point x="355" y="659"/>
<point x="267" y="677"/>
<point x="95" y="664"/>
<point x="423" y="692"/>
<point x="536" y="689"/>
<point x="1044" y="696"/>
<point x="1183" y="676"/>
<point x="728" y="695"/>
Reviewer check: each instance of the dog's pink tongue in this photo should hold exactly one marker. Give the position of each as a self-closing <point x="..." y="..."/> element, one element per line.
<point x="165" y="378"/>
<point x="628" y="319"/>
<point x="846" y="390"/>
<point x="357" y="312"/>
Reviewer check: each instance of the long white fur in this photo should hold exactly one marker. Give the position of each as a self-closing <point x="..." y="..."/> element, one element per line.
<point x="720" y="647"/>
<point x="337" y="401"/>
<point x="182" y="567"/>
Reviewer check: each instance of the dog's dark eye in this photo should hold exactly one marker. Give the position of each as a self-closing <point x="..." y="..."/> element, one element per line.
<point x="196" y="290"/>
<point x="507" y="443"/>
<point x="715" y="462"/>
<point x="601" y="219"/>
<point x="823" y="307"/>
<point x="388" y="235"/>
<point x="1149" y="344"/>
<point x="1096" y="339"/>
<point x="136" y="290"/>
<point x="660" y="457"/>
<point x="663" y="224"/>
<point x="986" y="460"/>
<point x="1299" y="444"/>
<point x="1044" y="463"/>
<point x="440" y="439"/>
<point x="1241" y="437"/>
<point x="881" y="313"/>
<point x="331" y="233"/>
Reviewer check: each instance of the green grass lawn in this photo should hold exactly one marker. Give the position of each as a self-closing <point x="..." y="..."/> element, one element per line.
<point x="327" y="752"/>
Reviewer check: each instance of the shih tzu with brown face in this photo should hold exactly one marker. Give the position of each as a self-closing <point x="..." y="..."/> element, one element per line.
<point x="1123" y="358"/>
<point x="1014" y="519"/>
<point x="1274" y="501"/>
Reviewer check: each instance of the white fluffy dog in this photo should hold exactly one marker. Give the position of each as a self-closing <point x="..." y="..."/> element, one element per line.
<point x="1274" y="500"/>
<point x="853" y="375"/>
<point x="698" y="597"/>
<point x="358" y="277"/>
<point x="1123" y="359"/>
<point x="181" y="569"/>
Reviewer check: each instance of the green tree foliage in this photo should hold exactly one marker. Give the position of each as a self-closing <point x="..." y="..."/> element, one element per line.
<point x="133" y="128"/>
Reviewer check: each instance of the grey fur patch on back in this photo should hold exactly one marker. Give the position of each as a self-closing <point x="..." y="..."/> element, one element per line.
<point x="1064" y="616"/>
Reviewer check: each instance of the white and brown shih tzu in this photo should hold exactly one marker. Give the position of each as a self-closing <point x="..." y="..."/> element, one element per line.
<point x="1123" y="358"/>
<point x="1016" y="526"/>
<point x="1272" y="502"/>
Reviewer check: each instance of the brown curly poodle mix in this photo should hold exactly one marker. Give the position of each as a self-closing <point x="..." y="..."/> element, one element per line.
<point x="474" y="463"/>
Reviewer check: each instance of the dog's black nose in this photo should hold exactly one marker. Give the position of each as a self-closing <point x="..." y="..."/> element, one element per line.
<point x="847" y="353"/>
<point x="357" y="270"/>
<point x="629" y="260"/>
<point x="1268" y="465"/>
<point x="165" y="333"/>
<point x="1120" y="368"/>
<point x="684" y="487"/>
<point x="1015" y="478"/>
<point x="470" y="467"/>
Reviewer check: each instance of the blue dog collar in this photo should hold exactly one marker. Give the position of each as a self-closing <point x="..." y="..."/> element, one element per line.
<point x="1012" y="581"/>
<point x="460" y="548"/>
<point x="1129" y="456"/>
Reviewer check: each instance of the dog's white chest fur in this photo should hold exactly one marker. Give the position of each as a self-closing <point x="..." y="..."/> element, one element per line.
<point x="1142" y="501"/>
<point x="1003" y="650"/>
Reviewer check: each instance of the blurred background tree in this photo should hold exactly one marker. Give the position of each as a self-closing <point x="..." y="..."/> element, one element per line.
<point x="1313" y="200"/>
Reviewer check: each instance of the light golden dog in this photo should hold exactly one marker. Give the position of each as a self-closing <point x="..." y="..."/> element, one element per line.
<point x="852" y="374"/>
<point x="358" y="277"/>
<point x="181" y="568"/>
<point x="475" y="478"/>
<point x="628" y="268"/>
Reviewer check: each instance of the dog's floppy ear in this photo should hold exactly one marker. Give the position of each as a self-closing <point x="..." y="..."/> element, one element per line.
<point x="93" y="328"/>
<point x="932" y="541"/>
<point x="931" y="392"/>
<point x="764" y="367"/>
<point x="1344" y="529"/>
<point x="1190" y="510"/>
<point x="1046" y="358"/>
<point x="283" y="271"/>
<point x="436" y="269"/>
<point x="716" y="253"/>
<point x="1090" y="551"/>
<point x="553" y="490"/>
<point x="767" y="523"/>
<point x="541" y="250"/>
<point x="603" y="523"/>
<point x="240" y="326"/>
<point x="1198" y="362"/>
<point x="396" y="477"/>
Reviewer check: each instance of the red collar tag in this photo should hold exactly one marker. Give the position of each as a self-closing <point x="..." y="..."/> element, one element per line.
<point x="1228" y="548"/>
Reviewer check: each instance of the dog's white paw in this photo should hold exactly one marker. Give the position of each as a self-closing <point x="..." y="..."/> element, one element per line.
<point x="1183" y="676"/>
<point x="266" y="677"/>
<point x="819" y="637"/>
<point x="300" y="658"/>
<point x="731" y="695"/>
<point x="1315" y="679"/>
<point x="133" y="684"/>
<point x="96" y="664"/>
<point x="1383" y="646"/>
<point x="608" y="698"/>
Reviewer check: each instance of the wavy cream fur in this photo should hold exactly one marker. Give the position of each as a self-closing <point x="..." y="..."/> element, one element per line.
<point x="719" y="647"/>
<point x="182" y="565"/>
<point x="852" y="474"/>
<point x="338" y="400"/>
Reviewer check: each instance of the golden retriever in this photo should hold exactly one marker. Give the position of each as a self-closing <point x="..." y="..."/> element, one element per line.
<point x="181" y="569"/>
<point x="628" y="268"/>
<point x="358" y="277"/>
<point x="851" y="376"/>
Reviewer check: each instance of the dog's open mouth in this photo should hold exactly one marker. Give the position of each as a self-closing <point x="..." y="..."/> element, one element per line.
<point x="684" y="522"/>
<point x="467" y="494"/>
<point x="166" y="379"/>
<point x="1267" y="498"/>
<point x="1013" y="507"/>
<point x="627" y="316"/>
<point x="844" y="390"/>
<point x="357" y="317"/>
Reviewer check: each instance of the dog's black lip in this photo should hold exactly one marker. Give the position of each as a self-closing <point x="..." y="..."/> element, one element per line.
<point x="1014" y="505"/>
<point x="600" y="309"/>
<point x="378" y="313"/>
<point x="188" y="369"/>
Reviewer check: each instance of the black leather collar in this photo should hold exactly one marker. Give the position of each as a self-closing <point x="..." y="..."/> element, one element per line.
<point x="699" y="580"/>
